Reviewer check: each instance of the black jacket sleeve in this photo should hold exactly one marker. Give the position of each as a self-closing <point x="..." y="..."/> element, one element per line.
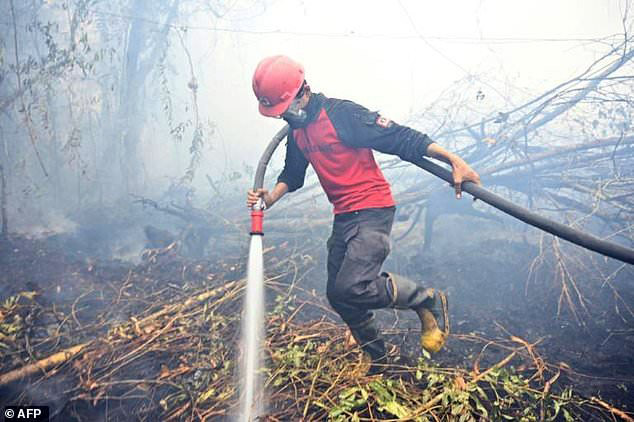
<point x="294" y="166"/>
<point x="361" y="128"/>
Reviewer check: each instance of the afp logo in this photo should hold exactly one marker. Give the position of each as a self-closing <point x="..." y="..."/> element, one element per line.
<point x="26" y="413"/>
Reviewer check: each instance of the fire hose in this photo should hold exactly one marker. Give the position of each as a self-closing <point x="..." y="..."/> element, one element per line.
<point x="257" y="214"/>
<point x="578" y="237"/>
<point x="585" y="240"/>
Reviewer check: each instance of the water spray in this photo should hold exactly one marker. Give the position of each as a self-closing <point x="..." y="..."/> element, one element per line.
<point x="251" y="396"/>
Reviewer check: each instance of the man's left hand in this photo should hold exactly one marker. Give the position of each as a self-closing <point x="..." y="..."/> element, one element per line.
<point x="462" y="172"/>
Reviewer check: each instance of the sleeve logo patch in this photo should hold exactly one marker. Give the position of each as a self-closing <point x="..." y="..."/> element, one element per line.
<point x="384" y="122"/>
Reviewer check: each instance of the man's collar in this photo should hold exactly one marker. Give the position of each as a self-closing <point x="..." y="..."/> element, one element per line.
<point x="314" y="105"/>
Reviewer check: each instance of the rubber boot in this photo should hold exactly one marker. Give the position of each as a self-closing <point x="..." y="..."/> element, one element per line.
<point x="367" y="336"/>
<point x="406" y="294"/>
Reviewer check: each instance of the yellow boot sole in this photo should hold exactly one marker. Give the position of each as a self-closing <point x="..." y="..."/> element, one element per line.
<point x="433" y="340"/>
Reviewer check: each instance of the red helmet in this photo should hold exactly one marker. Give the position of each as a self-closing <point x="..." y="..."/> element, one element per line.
<point x="276" y="82"/>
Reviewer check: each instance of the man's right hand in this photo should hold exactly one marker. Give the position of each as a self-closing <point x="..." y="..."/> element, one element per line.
<point x="253" y="196"/>
<point x="269" y="199"/>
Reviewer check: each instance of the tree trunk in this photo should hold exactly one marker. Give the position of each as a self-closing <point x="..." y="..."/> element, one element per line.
<point x="3" y="203"/>
<point x="142" y="53"/>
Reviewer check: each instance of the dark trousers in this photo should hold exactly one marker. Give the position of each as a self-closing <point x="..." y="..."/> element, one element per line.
<point x="357" y="248"/>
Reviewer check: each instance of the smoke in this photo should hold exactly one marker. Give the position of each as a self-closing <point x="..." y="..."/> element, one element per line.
<point x="44" y="225"/>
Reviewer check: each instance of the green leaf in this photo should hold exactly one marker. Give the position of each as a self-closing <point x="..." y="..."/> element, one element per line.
<point x="395" y="409"/>
<point x="320" y="404"/>
<point x="348" y="392"/>
<point x="207" y="394"/>
<point x="457" y="409"/>
<point x="480" y="407"/>
<point x="557" y="404"/>
<point x="383" y="395"/>
<point x="465" y="417"/>
<point x="28" y="295"/>
<point x="426" y="354"/>
<point x="334" y="412"/>
<point x="445" y="399"/>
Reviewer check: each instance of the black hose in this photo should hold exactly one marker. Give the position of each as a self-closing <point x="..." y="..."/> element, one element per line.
<point x="575" y="236"/>
<point x="578" y="237"/>
<point x="266" y="157"/>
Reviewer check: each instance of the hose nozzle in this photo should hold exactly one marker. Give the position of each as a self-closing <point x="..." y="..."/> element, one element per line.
<point x="257" y="217"/>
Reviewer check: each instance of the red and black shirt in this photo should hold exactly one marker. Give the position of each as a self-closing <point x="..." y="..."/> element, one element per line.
<point x="338" y="141"/>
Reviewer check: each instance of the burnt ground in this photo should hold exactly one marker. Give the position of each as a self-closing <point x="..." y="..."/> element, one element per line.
<point x="493" y="291"/>
<point x="496" y="292"/>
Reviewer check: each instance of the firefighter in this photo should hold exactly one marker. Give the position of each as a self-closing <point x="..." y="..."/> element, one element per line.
<point x="337" y="138"/>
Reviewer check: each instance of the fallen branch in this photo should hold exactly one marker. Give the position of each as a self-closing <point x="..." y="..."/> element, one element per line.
<point x="614" y="410"/>
<point x="42" y="365"/>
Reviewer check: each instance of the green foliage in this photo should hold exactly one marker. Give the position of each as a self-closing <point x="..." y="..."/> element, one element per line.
<point x="293" y="362"/>
<point x="387" y="398"/>
<point x="12" y="323"/>
<point x="350" y="399"/>
<point x="436" y="394"/>
<point x="283" y="304"/>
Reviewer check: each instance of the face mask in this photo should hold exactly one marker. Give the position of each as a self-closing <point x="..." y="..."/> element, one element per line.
<point x="295" y="116"/>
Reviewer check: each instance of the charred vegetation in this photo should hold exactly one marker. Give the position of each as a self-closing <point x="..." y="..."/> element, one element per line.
<point x="121" y="288"/>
